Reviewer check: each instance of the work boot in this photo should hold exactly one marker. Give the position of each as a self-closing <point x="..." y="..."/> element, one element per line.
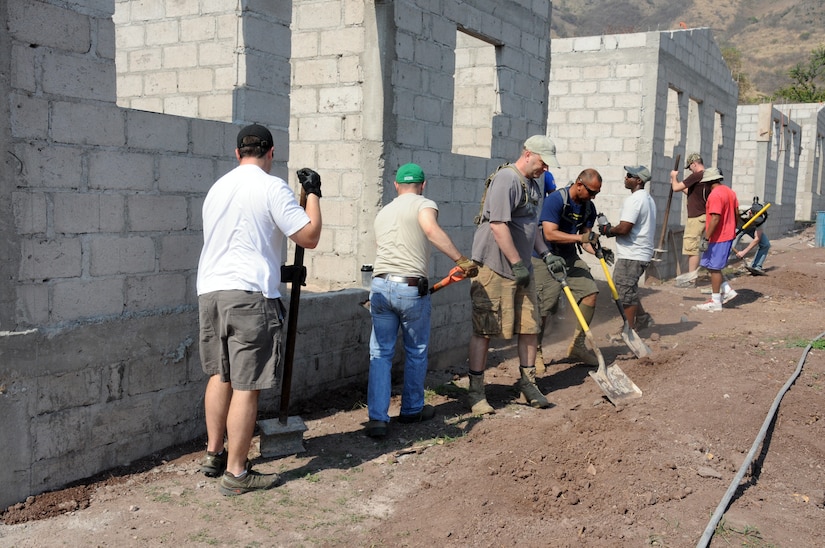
<point x="476" y="399"/>
<point x="578" y="352"/>
<point x="529" y="388"/>
<point x="540" y="367"/>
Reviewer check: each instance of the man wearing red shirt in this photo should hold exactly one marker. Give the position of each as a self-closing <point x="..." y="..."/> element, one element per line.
<point x="720" y="228"/>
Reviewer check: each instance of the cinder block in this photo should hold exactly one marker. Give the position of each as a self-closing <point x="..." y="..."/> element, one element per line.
<point x="161" y="83"/>
<point x="142" y="132"/>
<point x="146" y="59"/>
<point x="121" y="255"/>
<point x="75" y="299"/>
<point x="162" y="32"/>
<point x="44" y="259"/>
<point x="155" y="292"/>
<point x="185" y="174"/>
<point x="29" y="117"/>
<point x="87" y="213"/>
<point x="124" y="171"/>
<point x="88" y="124"/>
<point x="49" y="26"/>
<point x="32" y="307"/>
<point x="30" y="216"/>
<point x="68" y="390"/>
<point x="157" y="213"/>
<point x="180" y="251"/>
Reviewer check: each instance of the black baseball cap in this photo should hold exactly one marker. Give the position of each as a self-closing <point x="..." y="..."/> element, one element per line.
<point x="262" y="135"/>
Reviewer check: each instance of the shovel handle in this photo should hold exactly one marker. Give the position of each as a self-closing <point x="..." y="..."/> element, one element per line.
<point x="455" y="275"/>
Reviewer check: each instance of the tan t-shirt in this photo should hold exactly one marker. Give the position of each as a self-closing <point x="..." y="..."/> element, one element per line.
<point x="402" y="246"/>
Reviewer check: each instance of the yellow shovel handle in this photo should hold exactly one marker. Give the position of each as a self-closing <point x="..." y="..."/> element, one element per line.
<point x="609" y="279"/>
<point x="575" y="307"/>
<point x="754" y="217"/>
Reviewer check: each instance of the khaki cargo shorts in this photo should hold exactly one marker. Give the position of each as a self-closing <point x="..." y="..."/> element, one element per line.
<point x="501" y="308"/>
<point x="694" y="228"/>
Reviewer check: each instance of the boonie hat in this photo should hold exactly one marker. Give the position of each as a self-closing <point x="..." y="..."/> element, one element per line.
<point x="692" y="157"/>
<point x="264" y="137"/>
<point x="410" y="173"/>
<point x="639" y="171"/>
<point x="544" y="147"/>
<point x="711" y="174"/>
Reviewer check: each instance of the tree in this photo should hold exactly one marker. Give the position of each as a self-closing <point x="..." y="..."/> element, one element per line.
<point x="808" y="80"/>
<point x="733" y="58"/>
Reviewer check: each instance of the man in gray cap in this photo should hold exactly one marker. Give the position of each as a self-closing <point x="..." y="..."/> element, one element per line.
<point x="504" y="292"/>
<point x="634" y="244"/>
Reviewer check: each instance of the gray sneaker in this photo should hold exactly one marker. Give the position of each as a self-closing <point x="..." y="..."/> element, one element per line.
<point x="251" y="481"/>
<point x="213" y="464"/>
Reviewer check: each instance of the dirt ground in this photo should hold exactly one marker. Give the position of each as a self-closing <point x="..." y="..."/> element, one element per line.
<point x="582" y="473"/>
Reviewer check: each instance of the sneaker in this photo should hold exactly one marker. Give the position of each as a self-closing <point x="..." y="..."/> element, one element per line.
<point x="427" y="412"/>
<point x="376" y="429"/>
<point x="251" y="481"/>
<point x="644" y="321"/>
<point x="728" y="296"/>
<point x="709" y="306"/>
<point x="213" y="464"/>
<point x="757" y="271"/>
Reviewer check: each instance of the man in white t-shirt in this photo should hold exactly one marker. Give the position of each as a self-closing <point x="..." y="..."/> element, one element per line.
<point x="634" y="244"/>
<point x="246" y="216"/>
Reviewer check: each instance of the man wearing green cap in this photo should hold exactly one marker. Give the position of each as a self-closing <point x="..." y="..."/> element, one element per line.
<point x="504" y="293"/>
<point x="399" y="297"/>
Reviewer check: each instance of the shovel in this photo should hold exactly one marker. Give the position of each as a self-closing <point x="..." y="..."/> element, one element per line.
<point x="653" y="267"/>
<point x="629" y="335"/>
<point x="284" y="436"/>
<point x="455" y="275"/>
<point x="614" y="383"/>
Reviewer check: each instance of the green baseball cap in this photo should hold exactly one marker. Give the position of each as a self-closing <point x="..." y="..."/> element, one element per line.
<point x="410" y="173"/>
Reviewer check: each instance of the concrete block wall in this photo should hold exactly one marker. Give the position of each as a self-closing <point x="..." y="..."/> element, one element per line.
<point x="768" y="163"/>
<point x="101" y="224"/>
<point x="810" y="195"/>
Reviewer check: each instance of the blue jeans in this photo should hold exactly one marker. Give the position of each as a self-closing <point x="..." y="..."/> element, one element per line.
<point x="394" y="305"/>
<point x="762" y="249"/>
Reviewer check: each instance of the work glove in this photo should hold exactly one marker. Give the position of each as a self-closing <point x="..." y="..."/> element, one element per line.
<point x="521" y="273"/>
<point x="604" y="230"/>
<point x="608" y="256"/>
<point x="310" y="180"/>
<point x="703" y="245"/>
<point x="468" y="266"/>
<point x="553" y="262"/>
<point x="590" y="238"/>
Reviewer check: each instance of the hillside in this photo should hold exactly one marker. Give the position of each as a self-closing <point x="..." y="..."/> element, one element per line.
<point x="770" y="35"/>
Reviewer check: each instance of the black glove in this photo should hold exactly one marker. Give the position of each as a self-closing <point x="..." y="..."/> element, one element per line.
<point x="604" y="230"/>
<point x="521" y="273"/>
<point x="703" y="245"/>
<point x="608" y="256"/>
<point x="590" y="238"/>
<point x="310" y="180"/>
<point x="553" y="262"/>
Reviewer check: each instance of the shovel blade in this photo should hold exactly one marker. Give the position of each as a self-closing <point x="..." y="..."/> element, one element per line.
<point x="634" y="342"/>
<point x="616" y="385"/>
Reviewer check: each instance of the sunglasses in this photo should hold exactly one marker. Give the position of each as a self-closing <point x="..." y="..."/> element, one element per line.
<point x="630" y="176"/>
<point x="589" y="190"/>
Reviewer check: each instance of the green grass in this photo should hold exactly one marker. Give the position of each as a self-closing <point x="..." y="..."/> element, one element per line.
<point x="747" y="536"/>
<point x="818" y="344"/>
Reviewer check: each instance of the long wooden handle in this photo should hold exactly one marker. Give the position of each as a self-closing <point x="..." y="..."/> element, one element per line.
<point x="667" y="207"/>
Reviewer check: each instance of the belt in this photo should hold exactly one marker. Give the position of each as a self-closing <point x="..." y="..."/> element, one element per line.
<point x="411" y="281"/>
